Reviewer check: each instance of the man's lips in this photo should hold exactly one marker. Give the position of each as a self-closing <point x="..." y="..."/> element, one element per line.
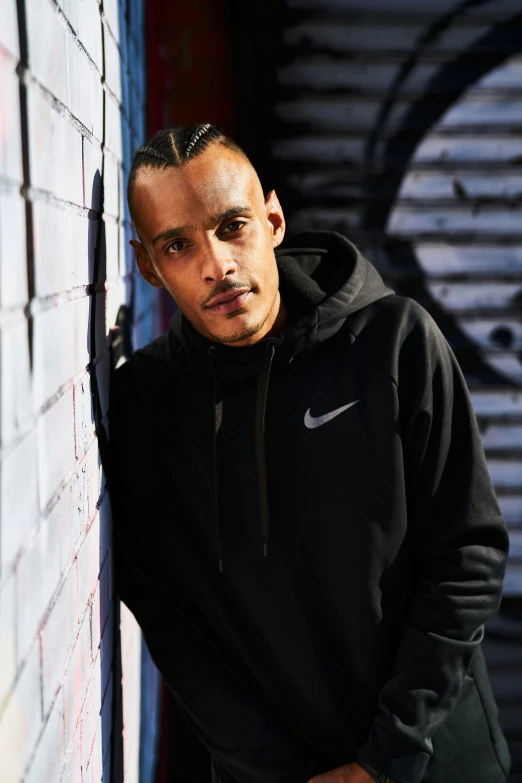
<point x="230" y="300"/>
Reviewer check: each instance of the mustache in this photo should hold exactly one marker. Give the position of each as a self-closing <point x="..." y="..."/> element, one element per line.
<point x="223" y="289"/>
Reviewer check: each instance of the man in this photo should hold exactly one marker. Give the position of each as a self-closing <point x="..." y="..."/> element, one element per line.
<point x="304" y="524"/>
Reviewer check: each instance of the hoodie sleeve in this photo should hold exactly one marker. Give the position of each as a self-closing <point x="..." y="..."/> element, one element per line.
<point x="222" y="705"/>
<point x="458" y="545"/>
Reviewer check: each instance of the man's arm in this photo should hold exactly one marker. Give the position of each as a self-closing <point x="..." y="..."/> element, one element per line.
<point x="458" y="550"/>
<point x="222" y="704"/>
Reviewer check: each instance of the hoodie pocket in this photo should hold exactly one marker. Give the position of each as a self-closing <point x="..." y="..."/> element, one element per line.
<point x="463" y="746"/>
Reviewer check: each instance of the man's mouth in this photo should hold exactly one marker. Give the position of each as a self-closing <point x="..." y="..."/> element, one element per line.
<point x="229" y="301"/>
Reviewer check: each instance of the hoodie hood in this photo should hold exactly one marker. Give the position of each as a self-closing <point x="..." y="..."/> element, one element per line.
<point x="323" y="279"/>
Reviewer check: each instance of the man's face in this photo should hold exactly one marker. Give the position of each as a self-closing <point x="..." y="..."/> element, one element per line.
<point x="206" y="230"/>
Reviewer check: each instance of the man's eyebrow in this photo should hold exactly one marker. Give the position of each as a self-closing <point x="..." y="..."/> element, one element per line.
<point x="173" y="233"/>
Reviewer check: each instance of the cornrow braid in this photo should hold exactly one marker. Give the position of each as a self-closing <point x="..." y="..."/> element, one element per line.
<point x="174" y="147"/>
<point x="196" y="136"/>
<point x="151" y="151"/>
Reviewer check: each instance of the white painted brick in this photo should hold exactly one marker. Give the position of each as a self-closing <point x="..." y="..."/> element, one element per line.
<point x="113" y="65"/>
<point x="113" y="14"/>
<point x="84" y="417"/>
<point x="66" y="328"/>
<point x="9" y="28"/>
<point x="89" y="29"/>
<point x="92" y="171"/>
<point x="55" y="150"/>
<point x="89" y="564"/>
<point x="8" y="637"/>
<point x="11" y="147"/>
<point x="15" y="381"/>
<point x="66" y="517"/>
<point x="76" y="681"/>
<point x="61" y="248"/>
<point x="111" y="181"/>
<point x="47" y="47"/>
<point x="95" y="769"/>
<point x="115" y="298"/>
<point x="86" y="102"/>
<point x="13" y="274"/>
<point x="38" y="576"/>
<point x="113" y="120"/>
<point x="72" y="772"/>
<point x="86" y="483"/>
<point x="70" y="11"/>
<point x="48" y="761"/>
<point x="111" y="229"/>
<point x="91" y="714"/>
<point x="18" y="497"/>
<point x="56" y="452"/>
<point x="58" y="637"/>
<point x="21" y="721"/>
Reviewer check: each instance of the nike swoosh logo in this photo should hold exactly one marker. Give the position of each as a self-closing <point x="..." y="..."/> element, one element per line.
<point x="316" y="421"/>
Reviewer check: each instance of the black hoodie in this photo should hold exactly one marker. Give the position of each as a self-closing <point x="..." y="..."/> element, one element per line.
<point x="306" y="531"/>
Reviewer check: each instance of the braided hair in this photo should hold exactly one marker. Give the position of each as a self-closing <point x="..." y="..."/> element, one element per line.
<point x="173" y="147"/>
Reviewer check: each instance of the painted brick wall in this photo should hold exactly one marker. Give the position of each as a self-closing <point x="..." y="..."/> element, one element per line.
<point x="72" y="98"/>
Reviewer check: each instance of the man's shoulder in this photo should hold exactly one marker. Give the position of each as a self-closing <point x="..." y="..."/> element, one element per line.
<point x="397" y="314"/>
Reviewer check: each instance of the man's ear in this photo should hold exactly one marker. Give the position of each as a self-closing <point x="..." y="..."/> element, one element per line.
<point x="144" y="264"/>
<point x="275" y="217"/>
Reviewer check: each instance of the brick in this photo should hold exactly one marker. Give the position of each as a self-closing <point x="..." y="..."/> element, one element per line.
<point x="92" y="174"/>
<point x="111" y="230"/>
<point x="38" y="576"/>
<point x="89" y="29"/>
<point x="114" y="18"/>
<point x="58" y="637"/>
<point x="59" y="238"/>
<point x="9" y="28"/>
<point x="112" y="182"/>
<point x="88" y="566"/>
<point x="76" y="682"/>
<point x="87" y="95"/>
<point x="13" y="277"/>
<point x="48" y="760"/>
<point x="65" y="327"/>
<point x="8" y="636"/>
<point x="56" y="454"/>
<point x="18" y="498"/>
<point x="91" y="715"/>
<point x="65" y="516"/>
<point x="95" y="768"/>
<point x="47" y="43"/>
<point x="55" y="150"/>
<point x="187" y="80"/>
<point x="72" y="771"/>
<point x="113" y="65"/>
<point x="84" y="417"/>
<point x="10" y="133"/>
<point x="208" y="45"/>
<point x="21" y="722"/>
<point x="113" y="121"/>
<point x="87" y="487"/>
<point x="15" y="381"/>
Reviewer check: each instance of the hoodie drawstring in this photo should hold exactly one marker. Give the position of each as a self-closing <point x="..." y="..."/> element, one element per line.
<point x="218" y="419"/>
<point x="261" y="396"/>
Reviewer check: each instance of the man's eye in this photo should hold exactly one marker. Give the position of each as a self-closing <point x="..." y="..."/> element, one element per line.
<point x="235" y="225"/>
<point x="176" y="246"/>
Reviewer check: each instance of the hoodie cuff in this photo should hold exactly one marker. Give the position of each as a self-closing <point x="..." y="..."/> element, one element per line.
<point x="392" y="755"/>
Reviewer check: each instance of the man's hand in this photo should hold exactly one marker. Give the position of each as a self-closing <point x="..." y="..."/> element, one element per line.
<point x="350" y="773"/>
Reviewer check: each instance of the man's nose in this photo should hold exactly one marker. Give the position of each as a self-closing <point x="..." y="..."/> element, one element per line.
<point x="217" y="262"/>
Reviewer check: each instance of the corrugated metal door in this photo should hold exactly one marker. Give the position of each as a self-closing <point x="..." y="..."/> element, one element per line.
<point x="399" y="124"/>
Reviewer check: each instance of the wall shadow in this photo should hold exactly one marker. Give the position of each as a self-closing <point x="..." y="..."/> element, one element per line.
<point x="100" y="368"/>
